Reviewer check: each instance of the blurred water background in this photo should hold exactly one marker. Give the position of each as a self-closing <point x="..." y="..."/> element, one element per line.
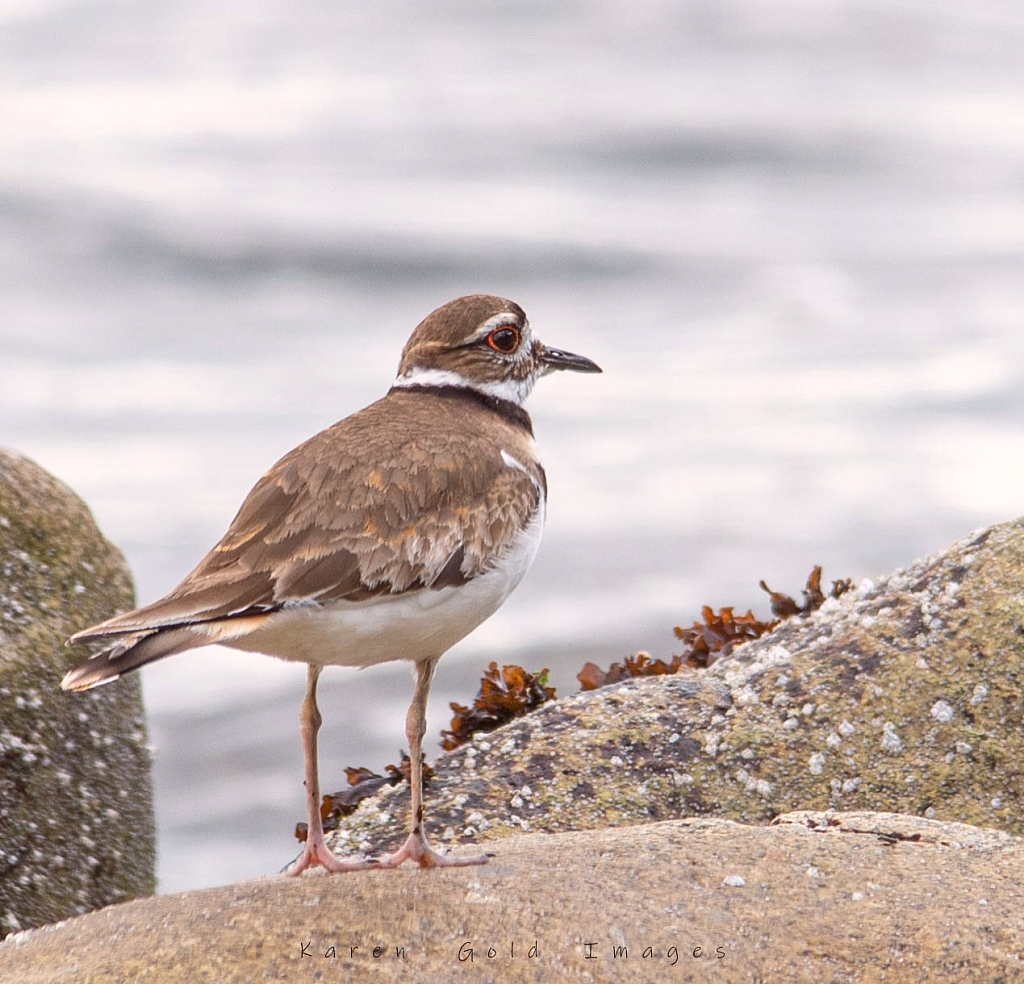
<point x="791" y="232"/>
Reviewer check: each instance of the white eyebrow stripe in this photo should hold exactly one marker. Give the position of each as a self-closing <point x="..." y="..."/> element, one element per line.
<point x="498" y="321"/>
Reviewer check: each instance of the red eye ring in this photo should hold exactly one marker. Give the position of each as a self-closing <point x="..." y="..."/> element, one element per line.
<point x="504" y="340"/>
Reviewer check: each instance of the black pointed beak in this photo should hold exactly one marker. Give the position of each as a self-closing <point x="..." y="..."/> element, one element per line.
<point x="553" y="358"/>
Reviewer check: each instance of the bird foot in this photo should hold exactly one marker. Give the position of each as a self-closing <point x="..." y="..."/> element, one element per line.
<point x="320" y="854"/>
<point x="416" y="848"/>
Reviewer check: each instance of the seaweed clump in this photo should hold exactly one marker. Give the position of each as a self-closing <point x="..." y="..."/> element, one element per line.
<point x="504" y="694"/>
<point x="715" y="635"/>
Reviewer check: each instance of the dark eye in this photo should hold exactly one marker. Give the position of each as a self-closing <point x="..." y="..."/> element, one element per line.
<point x="504" y="340"/>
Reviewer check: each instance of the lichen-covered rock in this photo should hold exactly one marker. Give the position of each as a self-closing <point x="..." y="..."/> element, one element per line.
<point x="76" y="805"/>
<point x="905" y="695"/>
<point x="816" y="897"/>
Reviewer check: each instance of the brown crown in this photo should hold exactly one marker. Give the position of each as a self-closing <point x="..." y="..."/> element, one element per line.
<point x="438" y="339"/>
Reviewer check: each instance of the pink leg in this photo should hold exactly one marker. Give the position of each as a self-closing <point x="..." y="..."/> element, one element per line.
<point x="416" y="848"/>
<point x="315" y="851"/>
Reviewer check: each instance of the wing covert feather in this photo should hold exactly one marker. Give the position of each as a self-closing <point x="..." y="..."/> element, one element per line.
<point x="383" y="501"/>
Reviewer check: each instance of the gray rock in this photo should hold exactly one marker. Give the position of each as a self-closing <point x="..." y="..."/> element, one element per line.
<point x="816" y="897"/>
<point x="902" y="696"/>
<point x="76" y="802"/>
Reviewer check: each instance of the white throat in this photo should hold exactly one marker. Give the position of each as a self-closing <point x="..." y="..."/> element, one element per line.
<point x="513" y="390"/>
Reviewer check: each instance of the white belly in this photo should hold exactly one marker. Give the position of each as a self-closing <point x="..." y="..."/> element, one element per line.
<point x="414" y="626"/>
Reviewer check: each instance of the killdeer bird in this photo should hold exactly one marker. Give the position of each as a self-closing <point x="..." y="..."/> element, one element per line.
<point x="390" y="535"/>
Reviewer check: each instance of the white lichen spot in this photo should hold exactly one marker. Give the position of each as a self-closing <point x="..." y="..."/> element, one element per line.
<point x="852" y="785"/>
<point x="734" y="881"/>
<point x="790" y="724"/>
<point x="616" y="761"/>
<point x="516" y="802"/>
<point x="476" y="896"/>
<point x="891" y="742"/>
<point x="739" y="675"/>
<point x="816" y="764"/>
<point x="857" y="897"/>
<point x="942" y="712"/>
<point x="963" y="748"/>
<point x="829" y="605"/>
<point x="747" y="753"/>
<point x="808" y="710"/>
<point x="833" y="740"/>
<point x="980" y="694"/>
<point x="846" y="729"/>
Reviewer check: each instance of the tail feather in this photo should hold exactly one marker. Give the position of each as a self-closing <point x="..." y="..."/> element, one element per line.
<point x="129" y="653"/>
<point x="189" y="604"/>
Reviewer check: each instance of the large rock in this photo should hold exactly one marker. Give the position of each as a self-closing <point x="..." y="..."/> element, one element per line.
<point x="835" y="898"/>
<point x="903" y="695"/>
<point x="76" y="803"/>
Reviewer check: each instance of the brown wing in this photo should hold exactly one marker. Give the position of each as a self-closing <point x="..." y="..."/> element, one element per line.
<point x="383" y="501"/>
